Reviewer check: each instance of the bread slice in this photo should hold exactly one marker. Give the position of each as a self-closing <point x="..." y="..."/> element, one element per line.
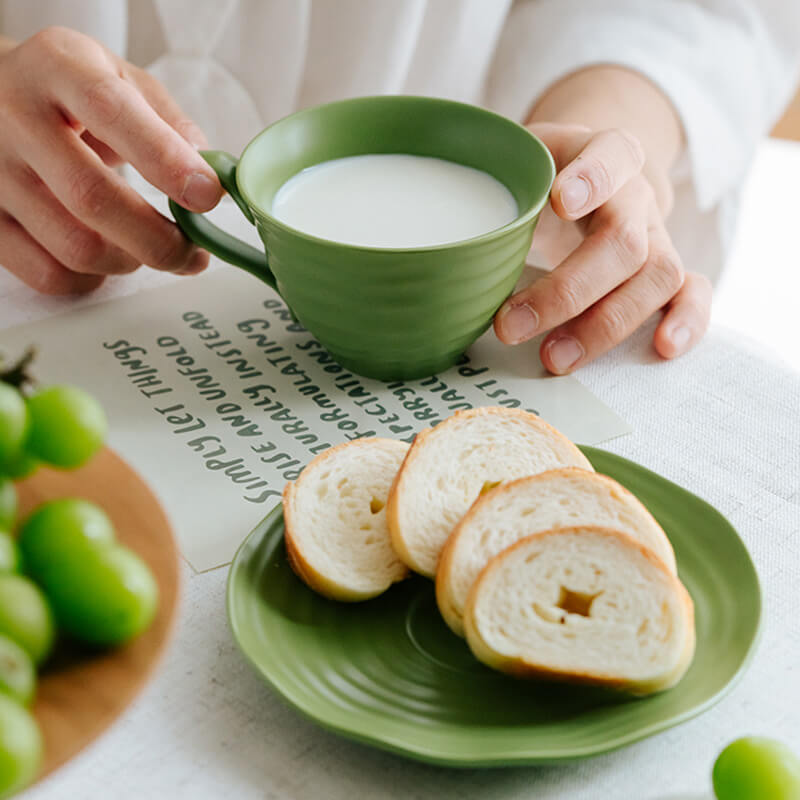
<point x="335" y="517"/>
<point x="558" y="498"/>
<point x="450" y="465"/>
<point x="585" y="604"/>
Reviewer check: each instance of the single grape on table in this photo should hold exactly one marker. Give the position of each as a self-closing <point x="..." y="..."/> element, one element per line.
<point x="757" y="768"/>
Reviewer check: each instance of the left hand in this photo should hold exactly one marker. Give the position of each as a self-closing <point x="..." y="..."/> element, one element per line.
<point x="624" y="267"/>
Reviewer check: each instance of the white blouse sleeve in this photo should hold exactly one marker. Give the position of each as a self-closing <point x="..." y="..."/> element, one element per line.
<point x="104" y="20"/>
<point x="728" y="67"/>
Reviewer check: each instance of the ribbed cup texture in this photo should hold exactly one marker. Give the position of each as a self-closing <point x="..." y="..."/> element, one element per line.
<point x="392" y="314"/>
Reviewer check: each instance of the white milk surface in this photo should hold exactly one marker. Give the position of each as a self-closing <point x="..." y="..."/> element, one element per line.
<point x="393" y="201"/>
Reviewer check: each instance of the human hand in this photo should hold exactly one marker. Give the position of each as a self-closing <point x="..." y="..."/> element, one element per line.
<point x="624" y="267"/>
<point x="70" y="110"/>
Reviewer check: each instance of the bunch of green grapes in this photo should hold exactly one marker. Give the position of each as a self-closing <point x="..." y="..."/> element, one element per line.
<point x="59" y="425"/>
<point x="63" y="573"/>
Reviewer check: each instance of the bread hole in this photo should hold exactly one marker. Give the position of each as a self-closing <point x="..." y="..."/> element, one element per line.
<point x="488" y="486"/>
<point x="643" y="627"/>
<point x="375" y="505"/>
<point x="322" y="491"/>
<point x="365" y="527"/>
<point x="576" y="602"/>
<point x="342" y="483"/>
<point x="564" y="501"/>
<point x="531" y="557"/>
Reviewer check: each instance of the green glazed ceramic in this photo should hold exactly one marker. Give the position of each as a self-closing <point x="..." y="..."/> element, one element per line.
<point x="390" y="673"/>
<point x="391" y="314"/>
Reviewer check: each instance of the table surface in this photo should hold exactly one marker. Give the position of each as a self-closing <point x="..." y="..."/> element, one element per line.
<point x="723" y="421"/>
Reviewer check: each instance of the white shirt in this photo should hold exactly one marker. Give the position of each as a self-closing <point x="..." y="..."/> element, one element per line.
<point x="728" y="66"/>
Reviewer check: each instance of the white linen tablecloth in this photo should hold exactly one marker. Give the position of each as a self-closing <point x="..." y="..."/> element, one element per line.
<point x="723" y="421"/>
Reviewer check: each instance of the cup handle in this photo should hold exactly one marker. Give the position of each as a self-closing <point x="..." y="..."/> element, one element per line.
<point x="208" y="236"/>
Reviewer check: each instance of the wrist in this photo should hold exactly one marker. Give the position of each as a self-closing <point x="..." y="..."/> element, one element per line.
<point x="607" y="96"/>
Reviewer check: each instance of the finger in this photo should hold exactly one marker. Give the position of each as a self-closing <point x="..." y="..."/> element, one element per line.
<point x="199" y="263"/>
<point x="615" y="248"/>
<point x="110" y="158"/>
<point x="617" y="315"/>
<point x="166" y="107"/>
<point x="115" y="112"/>
<point x="33" y="265"/>
<point x="686" y="318"/>
<point x="67" y="239"/>
<point x="564" y="141"/>
<point x="103" y="201"/>
<point x="607" y="162"/>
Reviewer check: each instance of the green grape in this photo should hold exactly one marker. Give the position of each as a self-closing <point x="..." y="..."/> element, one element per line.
<point x="9" y="553"/>
<point x="26" y="616"/>
<point x="20" y="747"/>
<point x="756" y="768"/>
<point x="101" y="593"/>
<point x="103" y="596"/>
<point x="54" y="537"/>
<point x="8" y="504"/>
<point x="20" y="466"/>
<point x="13" y="422"/>
<point x="67" y="428"/>
<point x="17" y="673"/>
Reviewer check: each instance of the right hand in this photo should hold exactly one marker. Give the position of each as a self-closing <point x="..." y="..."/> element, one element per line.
<point x="70" y="110"/>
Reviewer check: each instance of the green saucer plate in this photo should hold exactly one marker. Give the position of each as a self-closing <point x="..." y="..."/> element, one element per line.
<point x="389" y="673"/>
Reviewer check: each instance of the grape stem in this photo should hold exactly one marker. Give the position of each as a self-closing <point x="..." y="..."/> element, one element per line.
<point x="17" y="374"/>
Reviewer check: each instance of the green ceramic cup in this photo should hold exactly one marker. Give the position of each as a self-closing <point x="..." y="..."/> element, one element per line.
<point x="391" y="314"/>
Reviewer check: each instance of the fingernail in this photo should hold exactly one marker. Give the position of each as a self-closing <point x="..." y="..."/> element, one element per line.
<point x="574" y="194"/>
<point x="564" y="353"/>
<point x="199" y="192"/>
<point x="518" y="323"/>
<point x="680" y="338"/>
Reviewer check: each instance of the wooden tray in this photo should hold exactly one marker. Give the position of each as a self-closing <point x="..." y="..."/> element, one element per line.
<point x="81" y="693"/>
